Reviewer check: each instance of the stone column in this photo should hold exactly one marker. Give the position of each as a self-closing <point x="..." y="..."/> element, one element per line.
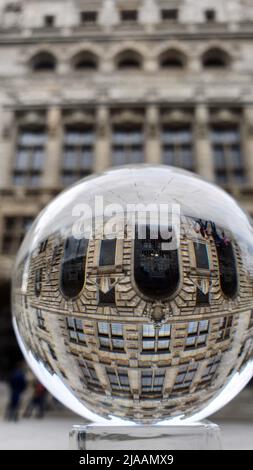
<point x="51" y="177"/>
<point x="203" y="148"/>
<point x="153" y="144"/>
<point x="247" y="141"/>
<point x="103" y="139"/>
<point x="8" y="134"/>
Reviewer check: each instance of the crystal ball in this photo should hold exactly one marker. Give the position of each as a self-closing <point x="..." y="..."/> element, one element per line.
<point x="132" y="296"/>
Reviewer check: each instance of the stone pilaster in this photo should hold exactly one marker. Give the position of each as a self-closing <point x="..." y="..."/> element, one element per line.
<point x="153" y="145"/>
<point x="203" y="148"/>
<point x="51" y="177"/>
<point x="8" y="134"/>
<point x="103" y="140"/>
<point x="247" y="141"/>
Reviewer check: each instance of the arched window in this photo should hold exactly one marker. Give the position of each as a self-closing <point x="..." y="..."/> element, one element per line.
<point x="156" y="266"/>
<point x="129" y="60"/>
<point x="227" y="267"/>
<point x="172" y="59"/>
<point x="43" y="62"/>
<point x="72" y="274"/>
<point x="85" y="61"/>
<point x="215" y="58"/>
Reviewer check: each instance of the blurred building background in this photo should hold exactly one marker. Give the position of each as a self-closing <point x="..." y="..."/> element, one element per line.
<point x="89" y="84"/>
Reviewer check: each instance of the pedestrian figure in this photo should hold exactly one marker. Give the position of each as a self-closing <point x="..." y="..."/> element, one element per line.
<point x="17" y="385"/>
<point x="37" y="401"/>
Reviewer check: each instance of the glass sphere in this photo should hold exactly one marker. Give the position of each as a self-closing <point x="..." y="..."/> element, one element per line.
<point x="132" y="296"/>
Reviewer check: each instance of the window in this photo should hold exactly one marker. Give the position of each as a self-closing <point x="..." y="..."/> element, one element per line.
<point x="107" y="252"/>
<point x="169" y="14"/>
<point x="38" y="281"/>
<point x="43" y="62"/>
<point x="85" y="60"/>
<point x="89" y="376"/>
<point x="210" y="16"/>
<point x="215" y="58"/>
<point x="201" y="255"/>
<point x="107" y="299"/>
<point x="227" y="153"/>
<point x="119" y="380"/>
<point x="152" y="382"/>
<point x="156" y="340"/>
<point x="156" y="265"/>
<point x="14" y="231"/>
<point x="185" y="377"/>
<point x="111" y="336"/>
<point x="75" y="329"/>
<point x="129" y="16"/>
<point x="197" y="333"/>
<point x="225" y="328"/>
<point x="88" y="17"/>
<point x="30" y="156"/>
<point x="210" y="371"/>
<point x="177" y="146"/>
<point x="202" y="298"/>
<point x="43" y="246"/>
<point x="227" y="268"/>
<point x="127" y="144"/>
<point x="172" y="59"/>
<point x="78" y="153"/>
<point x="129" y="60"/>
<point x="73" y="262"/>
<point x="40" y="319"/>
<point x="49" y="21"/>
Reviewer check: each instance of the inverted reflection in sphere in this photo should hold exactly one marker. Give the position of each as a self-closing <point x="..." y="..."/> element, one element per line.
<point x="152" y="324"/>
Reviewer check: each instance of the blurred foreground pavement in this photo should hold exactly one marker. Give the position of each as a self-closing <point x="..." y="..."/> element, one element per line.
<point x="235" y="421"/>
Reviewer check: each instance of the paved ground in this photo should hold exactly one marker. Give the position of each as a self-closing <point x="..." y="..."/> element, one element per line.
<point x="52" y="433"/>
<point x="235" y="421"/>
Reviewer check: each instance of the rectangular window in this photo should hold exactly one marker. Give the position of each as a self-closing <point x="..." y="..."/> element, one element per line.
<point x="152" y="382"/>
<point x="75" y="329"/>
<point x="227" y="152"/>
<point x="107" y="252"/>
<point x="177" y="146"/>
<point x="225" y="327"/>
<point x="169" y="14"/>
<point x="129" y="16"/>
<point x="30" y="157"/>
<point x="49" y="21"/>
<point x="119" y="380"/>
<point x="111" y="336"/>
<point x="156" y="340"/>
<point x="89" y="375"/>
<point x="127" y="144"/>
<point x="201" y="255"/>
<point x="88" y="17"/>
<point x="78" y="153"/>
<point x="185" y="377"/>
<point x="210" y="16"/>
<point x="14" y="231"/>
<point x="209" y="371"/>
<point x="197" y="333"/>
<point x="202" y="298"/>
<point x="40" y="319"/>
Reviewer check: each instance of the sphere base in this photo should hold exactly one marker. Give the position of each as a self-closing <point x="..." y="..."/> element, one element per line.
<point x="196" y="436"/>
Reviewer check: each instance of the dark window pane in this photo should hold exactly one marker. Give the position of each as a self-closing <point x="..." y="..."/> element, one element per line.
<point x="156" y="268"/>
<point x="201" y="255"/>
<point x="107" y="252"/>
<point x="73" y="266"/>
<point x="227" y="267"/>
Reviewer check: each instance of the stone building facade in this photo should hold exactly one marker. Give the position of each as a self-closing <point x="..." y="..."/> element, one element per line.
<point x="90" y="84"/>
